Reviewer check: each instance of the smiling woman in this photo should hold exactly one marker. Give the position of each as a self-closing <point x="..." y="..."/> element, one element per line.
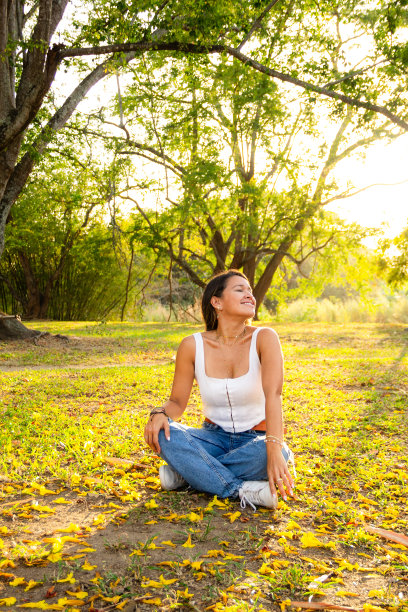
<point x="239" y="450"/>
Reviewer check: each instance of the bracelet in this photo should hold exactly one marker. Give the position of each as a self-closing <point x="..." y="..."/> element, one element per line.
<point x="273" y="440"/>
<point x="157" y="411"/>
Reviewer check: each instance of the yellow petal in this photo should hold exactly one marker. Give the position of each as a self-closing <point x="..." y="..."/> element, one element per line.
<point x="88" y="567"/>
<point x="187" y="543"/>
<point x="41" y="605"/>
<point x="31" y="584"/>
<point x="168" y="543"/>
<point x="151" y="504"/>
<point x="196" y="565"/>
<point x="73" y="527"/>
<point x="70" y="578"/>
<point x="166" y="582"/>
<point x="233" y="517"/>
<point x="17" y="581"/>
<point x="309" y="540"/>
<point x="54" y="557"/>
<point x="185" y="594"/>
<point x="8" y="601"/>
<point x="78" y="594"/>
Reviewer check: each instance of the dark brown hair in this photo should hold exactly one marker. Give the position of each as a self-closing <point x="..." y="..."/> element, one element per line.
<point x="215" y="287"/>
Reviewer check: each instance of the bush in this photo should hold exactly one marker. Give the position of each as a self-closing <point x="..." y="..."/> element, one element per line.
<point x="379" y="308"/>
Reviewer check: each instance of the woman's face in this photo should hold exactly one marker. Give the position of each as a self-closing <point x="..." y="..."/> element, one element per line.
<point x="237" y="299"/>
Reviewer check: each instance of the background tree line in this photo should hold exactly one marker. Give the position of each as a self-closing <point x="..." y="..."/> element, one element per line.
<point x="238" y="151"/>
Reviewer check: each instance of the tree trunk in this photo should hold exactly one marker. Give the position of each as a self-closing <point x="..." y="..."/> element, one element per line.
<point x="11" y="328"/>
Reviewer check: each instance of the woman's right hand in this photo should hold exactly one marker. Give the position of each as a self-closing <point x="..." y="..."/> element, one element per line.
<point x="153" y="426"/>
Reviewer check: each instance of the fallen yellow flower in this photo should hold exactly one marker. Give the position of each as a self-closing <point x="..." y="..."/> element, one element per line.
<point x="157" y="584"/>
<point x="41" y="605"/>
<point x="88" y="567"/>
<point x="78" y="594"/>
<point x="185" y="594"/>
<point x="70" y="578"/>
<point x="309" y="540"/>
<point x="73" y="527"/>
<point x="31" y="584"/>
<point x="8" y="601"/>
<point x="151" y="504"/>
<point x="188" y="543"/>
<point x="17" y="581"/>
<point x="196" y="565"/>
<point x="70" y="602"/>
<point x="233" y="517"/>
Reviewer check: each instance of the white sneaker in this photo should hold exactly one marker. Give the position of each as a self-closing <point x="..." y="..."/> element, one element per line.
<point x="257" y="492"/>
<point x="170" y="479"/>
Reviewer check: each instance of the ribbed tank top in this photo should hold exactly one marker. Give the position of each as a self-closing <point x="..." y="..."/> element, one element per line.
<point x="235" y="404"/>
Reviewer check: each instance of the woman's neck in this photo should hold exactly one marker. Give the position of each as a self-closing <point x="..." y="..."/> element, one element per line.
<point x="230" y="329"/>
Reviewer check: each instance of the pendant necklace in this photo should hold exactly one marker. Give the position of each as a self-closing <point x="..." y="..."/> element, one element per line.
<point x="235" y="338"/>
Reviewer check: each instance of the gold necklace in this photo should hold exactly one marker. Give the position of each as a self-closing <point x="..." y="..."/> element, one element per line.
<point x="235" y="338"/>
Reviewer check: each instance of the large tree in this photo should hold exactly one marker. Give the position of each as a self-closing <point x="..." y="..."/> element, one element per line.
<point x="37" y="42"/>
<point x="246" y="171"/>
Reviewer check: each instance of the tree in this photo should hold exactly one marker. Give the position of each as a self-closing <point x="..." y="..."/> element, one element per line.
<point x="64" y="199"/>
<point x="393" y="259"/>
<point x="123" y="32"/>
<point x="227" y="211"/>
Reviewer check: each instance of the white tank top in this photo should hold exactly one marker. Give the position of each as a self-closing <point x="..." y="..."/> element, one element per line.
<point x="235" y="404"/>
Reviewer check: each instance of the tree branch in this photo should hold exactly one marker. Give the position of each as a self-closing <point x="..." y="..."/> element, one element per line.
<point x="256" y="24"/>
<point x="144" y="46"/>
<point x="346" y="194"/>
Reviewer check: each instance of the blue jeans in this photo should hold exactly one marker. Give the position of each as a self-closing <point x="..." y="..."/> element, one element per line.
<point x="213" y="460"/>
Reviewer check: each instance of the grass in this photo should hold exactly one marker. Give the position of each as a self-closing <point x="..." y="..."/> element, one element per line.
<point x="63" y="431"/>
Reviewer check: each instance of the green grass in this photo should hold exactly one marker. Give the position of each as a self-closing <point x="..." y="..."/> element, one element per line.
<point x="346" y="408"/>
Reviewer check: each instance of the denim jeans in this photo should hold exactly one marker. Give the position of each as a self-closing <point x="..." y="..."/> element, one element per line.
<point x="213" y="460"/>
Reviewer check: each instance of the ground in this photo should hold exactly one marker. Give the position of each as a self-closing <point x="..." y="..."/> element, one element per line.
<point x="85" y="526"/>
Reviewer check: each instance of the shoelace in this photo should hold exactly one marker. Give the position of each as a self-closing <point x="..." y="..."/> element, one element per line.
<point x="245" y="501"/>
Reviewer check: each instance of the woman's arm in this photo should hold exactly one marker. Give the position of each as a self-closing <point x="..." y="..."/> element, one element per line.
<point x="272" y="381"/>
<point x="180" y="393"/>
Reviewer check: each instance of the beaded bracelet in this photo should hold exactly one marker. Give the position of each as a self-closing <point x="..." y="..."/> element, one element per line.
<point x="157" y="411"/>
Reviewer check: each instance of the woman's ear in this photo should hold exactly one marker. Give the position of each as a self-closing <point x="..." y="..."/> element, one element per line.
<point x="215" y="303"/>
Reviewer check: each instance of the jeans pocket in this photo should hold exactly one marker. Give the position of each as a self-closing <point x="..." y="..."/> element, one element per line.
<point x="210" y="426"/>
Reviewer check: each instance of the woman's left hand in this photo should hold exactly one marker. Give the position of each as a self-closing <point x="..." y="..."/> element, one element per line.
<point x="278" y="472"/>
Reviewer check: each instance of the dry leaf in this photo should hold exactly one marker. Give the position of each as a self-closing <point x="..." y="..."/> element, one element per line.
<point x="394" y="536"/>
<point x="320" y="605"/>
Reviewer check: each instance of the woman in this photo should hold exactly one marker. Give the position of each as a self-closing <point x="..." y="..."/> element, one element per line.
<point x="239" y="450"/>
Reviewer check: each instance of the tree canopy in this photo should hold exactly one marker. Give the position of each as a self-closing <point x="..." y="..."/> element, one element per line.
<point x="200" y="76"/>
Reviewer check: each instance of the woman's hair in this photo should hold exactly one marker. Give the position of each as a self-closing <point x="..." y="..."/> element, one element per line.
<point x="215" y="287"/>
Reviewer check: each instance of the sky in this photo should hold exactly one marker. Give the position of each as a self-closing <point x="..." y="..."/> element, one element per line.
<point x="384" y="205"/>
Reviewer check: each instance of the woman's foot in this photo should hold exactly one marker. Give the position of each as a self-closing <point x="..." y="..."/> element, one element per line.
<point x="170" y="479"/>
<point x="257" y="492"/>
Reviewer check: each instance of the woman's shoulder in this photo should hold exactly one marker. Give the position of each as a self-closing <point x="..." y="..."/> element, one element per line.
<point x="264" y="331"/>
<point x="266" y="335"/>
<point x="188" y="341"/>
<point x="186" y="349"/>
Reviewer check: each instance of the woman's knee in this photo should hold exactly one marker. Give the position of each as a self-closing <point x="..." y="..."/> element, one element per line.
<point x="176" y="437"/>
